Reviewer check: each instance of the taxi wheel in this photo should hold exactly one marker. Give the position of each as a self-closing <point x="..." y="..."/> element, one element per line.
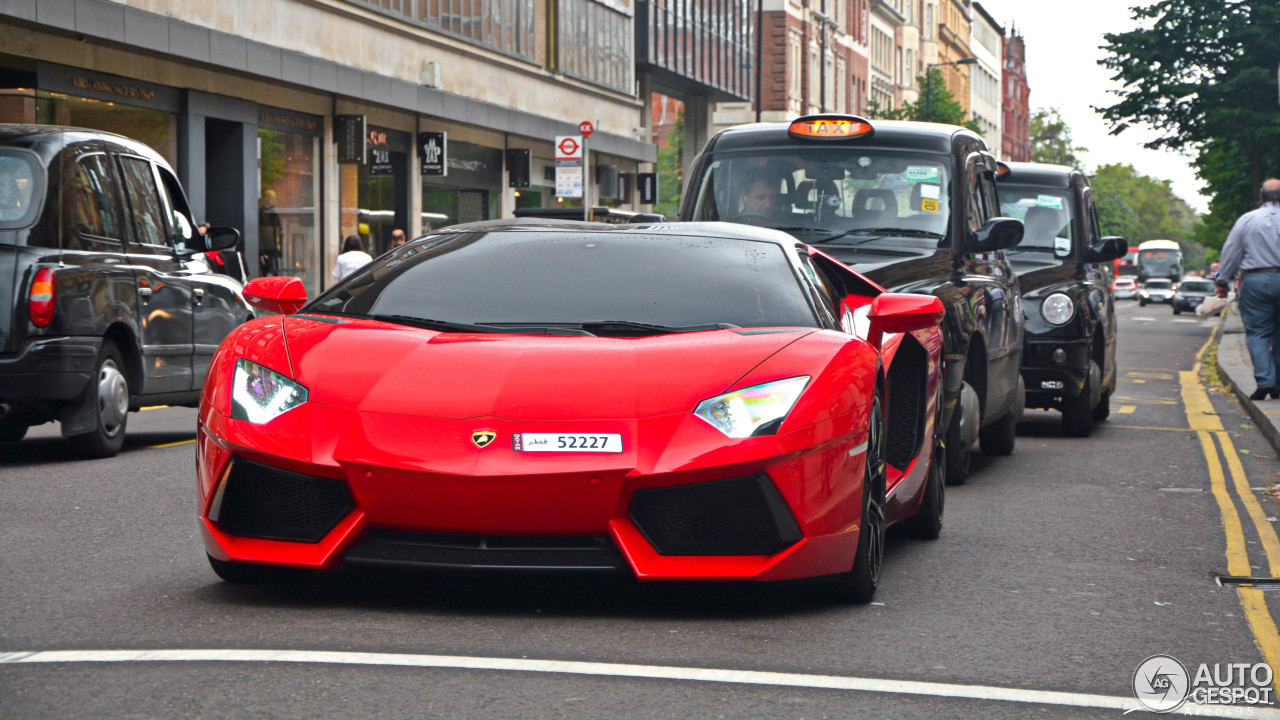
<point x="110" y="390"/>
<point x="1142" y="302"/>
<point x="959" y="439"/>
<point x="1077" y="413"/>
<point x="1177" y="310"/>
<point x="1103" y="411"/>
<point x="243" y="573"/>
<point x="12" y="432"/>
<point x="927" y="523"/>
<point x="859" y="584"/>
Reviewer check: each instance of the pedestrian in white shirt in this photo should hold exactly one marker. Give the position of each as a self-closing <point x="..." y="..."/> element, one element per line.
<point x="353" y="258"/>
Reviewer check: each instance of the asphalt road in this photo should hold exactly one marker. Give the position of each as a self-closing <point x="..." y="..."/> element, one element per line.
<point x="1060" y="569"/>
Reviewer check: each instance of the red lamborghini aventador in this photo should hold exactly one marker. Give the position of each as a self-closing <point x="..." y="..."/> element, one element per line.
<point x="679" y="402"/>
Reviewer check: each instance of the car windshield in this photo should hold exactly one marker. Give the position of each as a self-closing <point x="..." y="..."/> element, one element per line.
<point x="1158" y="285"/>
<point x="1196" y="286"/>
<point x="21" y="182"/>
<point x="879" y="194"/>
<point x="1046" y="217"/>
<point x="616" y="282"/>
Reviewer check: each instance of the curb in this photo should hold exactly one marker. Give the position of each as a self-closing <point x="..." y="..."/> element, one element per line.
<point x="1243" y="388"/>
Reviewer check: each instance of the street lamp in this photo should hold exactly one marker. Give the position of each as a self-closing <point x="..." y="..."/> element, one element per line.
<point x="928" y="83"/>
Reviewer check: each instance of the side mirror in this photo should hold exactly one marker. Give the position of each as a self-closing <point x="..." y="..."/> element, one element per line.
<point x="1110" y="248"/>
<point x="222" y="238"/>
<point x="999" y="233"/>
<point x="903" y="312"/>
<point x="278" y="295"/>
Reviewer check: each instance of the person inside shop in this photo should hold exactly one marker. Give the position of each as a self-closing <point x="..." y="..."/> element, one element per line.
<point x="353" y="258"/>
<point x="270" y="236"/>
<point x="397" y="238"/>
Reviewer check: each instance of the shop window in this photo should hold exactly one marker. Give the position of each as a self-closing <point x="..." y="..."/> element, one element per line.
<point x="156" y="128"/>
<point x="288" y="242"/>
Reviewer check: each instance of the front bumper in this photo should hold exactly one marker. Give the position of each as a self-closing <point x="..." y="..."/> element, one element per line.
<point x="47" y="373"/>
<point x="1049" y="382"/>
<point x="1163" y="299"/>
<point x="1187" y="303"/>
<point x="449" y="505"/>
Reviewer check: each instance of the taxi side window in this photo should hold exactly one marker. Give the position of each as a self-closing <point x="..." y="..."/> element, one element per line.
<point x="90" y="207"/>
<point x="175" y="204"/>
<point x="140" y="182"/>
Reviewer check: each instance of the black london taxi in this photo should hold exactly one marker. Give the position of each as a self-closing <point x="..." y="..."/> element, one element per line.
<point x="1063" y="265"/>
<point x="912" y="206"/>
<point x="105" y="306"/>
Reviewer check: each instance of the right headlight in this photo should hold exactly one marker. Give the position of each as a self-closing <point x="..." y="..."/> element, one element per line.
<point x="1057" y="308"/>
<point x="260" y="395"/>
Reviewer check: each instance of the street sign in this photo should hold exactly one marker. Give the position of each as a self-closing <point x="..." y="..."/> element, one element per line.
<point x="585" y="128"/>
<point x="348" y="133"/>
<point x="568" y="167"/>
<point x="648" y="187"/>
<point x="568" y="148"/>
<point x="379" y="154"/>
<point x="433" y="153"/>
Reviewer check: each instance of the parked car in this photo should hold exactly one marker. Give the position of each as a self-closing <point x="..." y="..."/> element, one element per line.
<point x="1156" y="290"/>
<point x="1126" y="288"/>
<point x="678" y="402"/>
<point x="1069" y="361"/>
<point x="106" y="307"/>
<point x="1190" y="293"/>
<point x="912" y="206"/>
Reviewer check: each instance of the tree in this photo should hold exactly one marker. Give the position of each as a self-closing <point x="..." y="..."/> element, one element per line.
<point x="670" y="168"/>
<point x="938" y="106"/>
<point x="1203" y="74"/>
<point x="1051" y="140"/>
<point x="1139" y="208"/>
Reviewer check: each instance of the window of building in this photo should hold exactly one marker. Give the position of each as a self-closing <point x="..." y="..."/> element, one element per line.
<point x="794" y="66"/>
<point x="503" y="25"/>
<point x="156" y="128"/>
<point x="287" y="221"/>
<point x="595" y="42"/>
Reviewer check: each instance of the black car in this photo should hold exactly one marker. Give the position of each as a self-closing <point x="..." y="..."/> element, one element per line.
<point x="913" y="206"/>
<point x="1190" y="293"/>
<point x="1069" y="361"/>
<point x="106" y="306"/>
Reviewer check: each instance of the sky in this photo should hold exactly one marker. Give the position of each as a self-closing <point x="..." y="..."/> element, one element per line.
<point x="1063" y="42"/>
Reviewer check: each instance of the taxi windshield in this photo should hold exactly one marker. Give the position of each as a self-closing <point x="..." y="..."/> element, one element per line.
<point x="868" y="193"/>
<point x="1046" y="218"/>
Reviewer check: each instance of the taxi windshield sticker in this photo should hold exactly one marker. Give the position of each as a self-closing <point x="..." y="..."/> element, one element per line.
<point x="1049" y="201"/>
<point x="922" y="173"/>
<point x="931" y="191"/>
<point x="1061" y="246"/>
<point x="929" y="206"/>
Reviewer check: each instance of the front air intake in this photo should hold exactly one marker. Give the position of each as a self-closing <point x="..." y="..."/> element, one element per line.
<point x="260" y="501"/>
<point x="741" y="516"/>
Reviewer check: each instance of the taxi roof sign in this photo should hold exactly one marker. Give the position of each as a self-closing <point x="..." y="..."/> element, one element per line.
<point x="830" y="127"/>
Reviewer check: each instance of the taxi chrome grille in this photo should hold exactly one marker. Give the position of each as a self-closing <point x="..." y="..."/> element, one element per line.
<point x="260" y="501"/>
<point x="740" y="516"/>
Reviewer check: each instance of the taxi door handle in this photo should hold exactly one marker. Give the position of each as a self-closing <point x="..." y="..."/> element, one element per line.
<point x="197" y="296"/>
<point x="144" y="293"/>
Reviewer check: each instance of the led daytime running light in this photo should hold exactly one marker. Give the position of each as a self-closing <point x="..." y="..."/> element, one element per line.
<point x="741" y="413"/>
<point x="260" y="395"/>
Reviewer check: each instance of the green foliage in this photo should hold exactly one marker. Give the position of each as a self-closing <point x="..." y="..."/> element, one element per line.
<point x="939" y="106"/>
<point x="1051" y="140"/>
<point x="1139" y="208"/>
<point x="1203" y="74"/>
<point x="670" y="168"/>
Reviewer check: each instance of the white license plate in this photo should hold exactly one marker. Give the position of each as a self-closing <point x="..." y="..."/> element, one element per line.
<point x="566" y="442"/>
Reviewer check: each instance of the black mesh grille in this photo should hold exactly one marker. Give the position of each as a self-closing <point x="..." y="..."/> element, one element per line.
<point x="265" y="502"/>
<point x="907" y="381"/>
<point x="742" y="516"/>
<point x="393" y="547"/>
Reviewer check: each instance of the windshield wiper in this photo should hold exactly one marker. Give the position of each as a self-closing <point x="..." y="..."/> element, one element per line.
<point x="459" y="327"/>
<point x="599" y="326"/>
<point x="878" y="234"/>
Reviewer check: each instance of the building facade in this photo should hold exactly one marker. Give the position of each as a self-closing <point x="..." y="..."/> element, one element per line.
<point x="303" y="122"/>
<point x="953" y="45"/>
<point x="1016" y="105"/>
<point x="985" y="91"/>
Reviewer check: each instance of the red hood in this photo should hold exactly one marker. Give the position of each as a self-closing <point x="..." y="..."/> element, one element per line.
<point x="375" y="366"/>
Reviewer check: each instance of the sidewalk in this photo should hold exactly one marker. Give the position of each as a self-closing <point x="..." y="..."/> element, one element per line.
<point x="1236" y="371"/>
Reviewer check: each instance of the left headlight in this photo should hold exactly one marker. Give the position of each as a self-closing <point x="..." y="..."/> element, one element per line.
<point x="1057" y="308"/>
<point x="741" y="413"/>
<point x="260" y="395"/>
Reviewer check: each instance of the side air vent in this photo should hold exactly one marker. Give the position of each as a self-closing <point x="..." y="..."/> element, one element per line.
<point x="260" y="501"/>
<point x="741" y="516"/>
<point x="908" y="383"/>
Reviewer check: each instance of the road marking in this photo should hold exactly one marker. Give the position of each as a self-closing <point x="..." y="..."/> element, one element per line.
<point x="1146" y="401"/>
<point x="1204" y="420"/>
<point x="1148" y="427"/>
<point x="166" y="445"/>
<point x="1150" y="375"/>
<point x="1126" y="409"/>
<point x="661" y="672"/>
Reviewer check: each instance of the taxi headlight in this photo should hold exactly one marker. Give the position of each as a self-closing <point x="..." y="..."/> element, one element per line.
<point x="260" y="395"/>
<point x="741" y="413"/>
<point x="1057" y="308"/>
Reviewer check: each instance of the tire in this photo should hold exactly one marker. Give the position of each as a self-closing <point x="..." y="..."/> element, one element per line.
<point x="111" y="417"/>
<point x="959" y="447"/>
<point x="1177" y="310"/>
<point x="12" y="432"/>
<point x="243" y="573"/>
<point x="1000" y="437"/>
<point x="1077" y="414"/>
<point x="1103" y="410"/>
<point x="926" y="524"/>
<point x="1142" y="302"/>
<point x="859" y="584"/>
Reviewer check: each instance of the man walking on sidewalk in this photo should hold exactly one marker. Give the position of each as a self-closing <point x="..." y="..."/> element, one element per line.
<point x="1254" y="248"/>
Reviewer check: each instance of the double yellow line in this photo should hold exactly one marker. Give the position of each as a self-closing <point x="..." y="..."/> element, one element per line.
<point x="1203" y="419"/>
